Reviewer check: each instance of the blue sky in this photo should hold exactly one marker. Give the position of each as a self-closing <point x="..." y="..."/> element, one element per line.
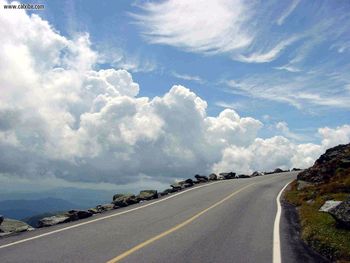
<point x="305" y="84"/>
<point x="134" y="93"/>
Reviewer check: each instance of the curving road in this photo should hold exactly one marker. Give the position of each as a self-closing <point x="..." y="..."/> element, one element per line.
<point x="224" y="221"/>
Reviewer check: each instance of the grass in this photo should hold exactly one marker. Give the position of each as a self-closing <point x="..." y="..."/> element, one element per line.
<point x="319" y="229"/>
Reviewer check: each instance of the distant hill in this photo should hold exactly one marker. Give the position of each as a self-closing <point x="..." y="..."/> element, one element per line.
<point x="84" y="198"/>
<point x="19" y="209"/>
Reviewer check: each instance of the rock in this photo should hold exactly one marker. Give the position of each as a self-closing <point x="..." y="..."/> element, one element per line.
<point x="186" y="183"/>
<point x="201" y="178"/>
<point x="11" y="226"/>
<point x="212" y="177"/>
<point x="105" y="207"/>
<point x="256" y="173"/>
<point x="69" y="216"/>
<point x="221" y="177"/>
<point x="94" y="210"/>
<point x="302" y="184"/>
<point x="328" y="205"/>
<point x="326" y="166"/>
<point x="176" y="187"/>
<point x="117" y="196"/>
<point x="125" y="200"/>
<point x="167" y="191"/>
<point x="341" y="213"/>
<point x="78" y="214"/>
<point x="310" y="201"/>
<point x="278" y="170"/>
<point x="1" y="219"/>
<point x="148" y="195"/>
<point x="54" y="220"/>
<point x="296" y="169"/>
<point x="230" y="175"/>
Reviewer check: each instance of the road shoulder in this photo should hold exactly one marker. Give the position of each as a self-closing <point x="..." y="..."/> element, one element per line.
<point x="294" y="249"/>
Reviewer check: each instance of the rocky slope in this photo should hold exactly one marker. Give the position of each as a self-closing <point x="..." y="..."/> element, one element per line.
<point x="328" y="165"/>
<point x="322" y="197"/>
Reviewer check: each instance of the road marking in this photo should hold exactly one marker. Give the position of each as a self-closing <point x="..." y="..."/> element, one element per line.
<point x="175" y="228"/>
<point x="276" y="246"/>
<point x="105" y="217"/>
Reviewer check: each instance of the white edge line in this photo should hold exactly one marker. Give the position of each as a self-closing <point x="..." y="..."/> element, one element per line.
<point x="104" y="217"/>
<point x="276" y="246"/>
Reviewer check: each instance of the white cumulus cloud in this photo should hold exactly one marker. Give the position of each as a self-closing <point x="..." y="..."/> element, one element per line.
<point x="63" y="118"/>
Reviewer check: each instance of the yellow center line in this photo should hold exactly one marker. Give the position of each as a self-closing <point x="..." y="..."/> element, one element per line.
<point x="173" y="229"/>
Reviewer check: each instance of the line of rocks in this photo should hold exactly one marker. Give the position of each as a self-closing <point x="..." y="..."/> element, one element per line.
<point x="10" y="226"/>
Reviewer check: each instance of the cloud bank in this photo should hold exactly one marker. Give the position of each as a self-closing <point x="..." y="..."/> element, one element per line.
<point x="62" y="117"/>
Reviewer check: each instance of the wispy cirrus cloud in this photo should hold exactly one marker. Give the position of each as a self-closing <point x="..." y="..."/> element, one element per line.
<point x="287" y="12"/>
<point x="188" y="77"/>
<point x="230" y="105"/>
<point x="268" y="56"/>
<point x="288" y="68"/>
<point x="249" y="32"/>
<point x="190" y="25"/>
<point x="298" y="90"/>
<point x="236" y="28"/>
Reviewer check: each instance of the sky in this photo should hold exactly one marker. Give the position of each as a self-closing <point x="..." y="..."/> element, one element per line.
<point x="106" y="94"/>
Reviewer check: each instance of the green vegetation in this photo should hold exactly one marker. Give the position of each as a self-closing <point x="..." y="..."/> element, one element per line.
<point x="319" y="229"/>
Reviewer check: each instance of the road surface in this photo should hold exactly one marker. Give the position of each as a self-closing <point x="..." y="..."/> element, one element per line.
<point x="224" y="221"/>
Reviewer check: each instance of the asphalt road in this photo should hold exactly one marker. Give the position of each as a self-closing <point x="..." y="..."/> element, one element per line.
<point x="225" y="221"/>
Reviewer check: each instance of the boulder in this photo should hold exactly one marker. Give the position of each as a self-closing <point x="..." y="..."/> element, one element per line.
<point x="213" y="177"/>
<point x="104" y="207"/>
<point x="125" y="200"/>
<point x="147" y="195"/>
<point x="94" y="210"/>
<point x="296" y="169"/>
<point x="278" y="170"/>
<point x="230" y="175"/>
<point x="78" y="214"/>
<point x="256" y="173"/>
<point x="221" y="177"/>
<point x="186" y="183"/>
<point x="176" y="187"/>
<point x="167" y="191"/>
<point x="11" y="226"/>
<point x="69" y="216"/>
<point x="54" y="220"/>
<point x="326" y="166"/>
<point x="328" y="205"/>
<point x="117" y="196"/>
<point x="1" y="219"/>
<point x="341" y="214"/>
<point x="201" y="178"/>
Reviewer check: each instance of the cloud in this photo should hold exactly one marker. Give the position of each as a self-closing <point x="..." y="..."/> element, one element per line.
<point x="283" y="127"/>
<point x="332" y="137"/>
<point x="188" y="77"/>
<point x="118" y="58"/>
<point x="287" y="12"/>
<point x="230" y="105"/>
<point x="298" y="90"/>
<point x="278" y="151"/>
<point x="268" y="56"/>
<point x="62" y="120"/>
<point x="246" y="31"/>
<point x="190" y="25"/>
<point x="288" y="68"/>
